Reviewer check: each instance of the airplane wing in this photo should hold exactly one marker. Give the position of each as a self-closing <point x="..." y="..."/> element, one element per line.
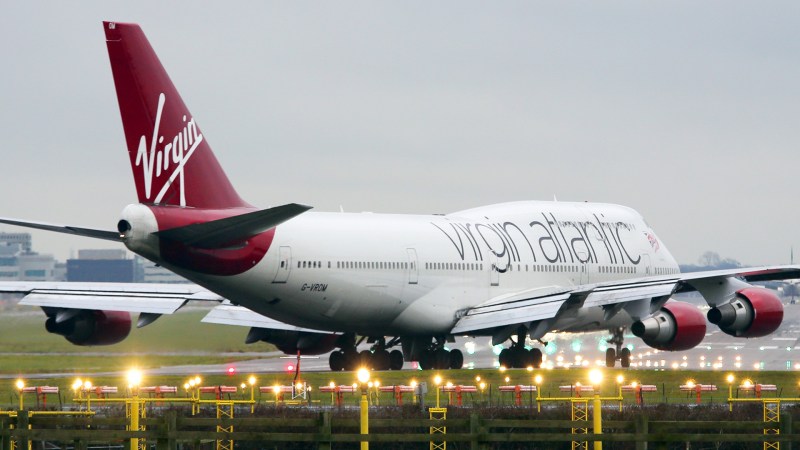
<point x="149" y="299"/>
<point x="546" y="305"/>
<point x="131" y="297"/>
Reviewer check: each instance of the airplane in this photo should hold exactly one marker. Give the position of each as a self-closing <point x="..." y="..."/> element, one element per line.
<point x="318" y="282"/>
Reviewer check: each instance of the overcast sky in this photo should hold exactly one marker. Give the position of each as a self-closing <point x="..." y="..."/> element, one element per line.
<point x="686" y="111"/>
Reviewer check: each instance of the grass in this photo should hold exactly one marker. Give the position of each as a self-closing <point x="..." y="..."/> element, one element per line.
<point x="25" y="349"/>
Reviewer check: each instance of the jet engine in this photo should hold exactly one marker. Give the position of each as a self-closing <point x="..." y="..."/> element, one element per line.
<point x="753" y="312"/>
<point x="89" y="327"/>
<point x="292" y="342"/>
<point x="676" y="326"/>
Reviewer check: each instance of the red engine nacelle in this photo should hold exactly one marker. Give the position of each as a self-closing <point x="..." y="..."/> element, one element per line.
<point x="754" y="312"/>
<point x="292" y="342"/>
<point x="90" y="327"/>
<point x="677" y="326"/>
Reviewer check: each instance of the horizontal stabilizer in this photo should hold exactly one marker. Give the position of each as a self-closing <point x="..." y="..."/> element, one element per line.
<point x="86" y="232"/>
<point x="222" y="232"/>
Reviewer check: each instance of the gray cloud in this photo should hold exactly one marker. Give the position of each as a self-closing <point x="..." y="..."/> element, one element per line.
<point x="682" y="110"/>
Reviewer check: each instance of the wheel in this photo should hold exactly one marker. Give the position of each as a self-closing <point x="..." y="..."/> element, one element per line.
<point x="536" y="358"/>
<point x="396" y="360"/>
<point x="505" y="358"/>
<point x="336" y="361"/>
<point x="351" y="359"/>
<point x="611" y="357"/>
<point x="442" y="359"/>
<point x="380" y="360"/>
<point x="625" y="357"/>
<point x="426" y="360"/>
<point x="365" y="359"/>
<point x="456" y="359"/>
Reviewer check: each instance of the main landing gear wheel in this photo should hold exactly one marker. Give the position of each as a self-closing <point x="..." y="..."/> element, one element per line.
<point x="625" y="357"/>
<point x="441" y="359"/>
<point x="518" y="357"/>
<point x="623" y="354"/>
<point x="336" y="361"/>
<point x="611" y="357"/>
<point x="396" y="360"/>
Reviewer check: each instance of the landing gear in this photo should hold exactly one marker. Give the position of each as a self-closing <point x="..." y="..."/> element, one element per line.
<point x="518" y="357"/>
<point x="623" y="354"/>
<point x="430" y="353"/>
<point x="379" y="358"/>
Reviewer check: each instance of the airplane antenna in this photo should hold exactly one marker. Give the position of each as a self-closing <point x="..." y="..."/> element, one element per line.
<point x="341" y="208"/>
<point x="554" y="198"/>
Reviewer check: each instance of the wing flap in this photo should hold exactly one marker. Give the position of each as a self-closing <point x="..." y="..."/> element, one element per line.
<point x="227" y="314"/>
<point x="131" y="297"/>
<point x="104" y="302"/>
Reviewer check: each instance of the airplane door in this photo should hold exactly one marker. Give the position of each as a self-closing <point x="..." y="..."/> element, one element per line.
<point x="646" y="263"/>
<point x="284" y="265"/>
<point x="413" y="268"/>
<point x="494" y="272"/>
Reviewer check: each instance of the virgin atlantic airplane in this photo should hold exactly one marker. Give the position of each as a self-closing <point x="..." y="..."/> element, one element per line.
<point x="319" y="282"/>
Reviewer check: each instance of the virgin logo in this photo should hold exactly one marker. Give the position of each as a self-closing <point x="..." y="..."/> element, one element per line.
<point x="166" y="161"/>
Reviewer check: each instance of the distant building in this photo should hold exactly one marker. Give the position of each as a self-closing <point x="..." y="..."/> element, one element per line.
<point x="104" y="265"/>
<point x="154" y="273"/>
<point x="19" y="263"/>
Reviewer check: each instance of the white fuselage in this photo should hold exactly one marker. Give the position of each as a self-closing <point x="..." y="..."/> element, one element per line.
<point x="388" y="274"/>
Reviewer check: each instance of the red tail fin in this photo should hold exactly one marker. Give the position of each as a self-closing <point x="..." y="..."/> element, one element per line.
<point x="171" y="160"/>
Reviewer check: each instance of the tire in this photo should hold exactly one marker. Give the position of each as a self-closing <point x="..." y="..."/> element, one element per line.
<point x="396" y="360"/>
<point x="336" y="361"/>
<point x="505" y="358"/>
<point x="536" y="358"/>
<point x="426" y="360"/>
<point x="350" y="359"/>
<point x="611" y="357"/>
<point x="456" y="359"/>
<point x="364" y="359"/>
<point x="625" y="357"/>
<point x="380" y="360"/>
<point x="442" y="359"/>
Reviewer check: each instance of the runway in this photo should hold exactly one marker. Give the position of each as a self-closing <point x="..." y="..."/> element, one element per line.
<point x="719" y="351"/>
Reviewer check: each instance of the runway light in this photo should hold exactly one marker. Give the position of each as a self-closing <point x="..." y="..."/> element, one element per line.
<point x="538" y="380"/>
<point x="362" y="375"/>
<point x="595" y="377"/>
<point x="244" y="385"/>
<point x="77" y="384"/>
<point x="730" y="378"/>
<point x="87" y="385"/>
<point x="251" y="381"/>
<point x="20" y="385"/>
<point x="332" y="384"/>
<point x="276" y="389"/>
<point x="231" y="371"/>
<point x="437" y="380"/>
<point x="414" y="384"/>
<point x="134" y="378"/>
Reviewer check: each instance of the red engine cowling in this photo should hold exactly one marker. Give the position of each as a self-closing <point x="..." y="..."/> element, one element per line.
<point x="677" y="326"/>
<point x="754" y="312"/>
<point x="90" y="327"/>
<point x="292" y="342"/>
